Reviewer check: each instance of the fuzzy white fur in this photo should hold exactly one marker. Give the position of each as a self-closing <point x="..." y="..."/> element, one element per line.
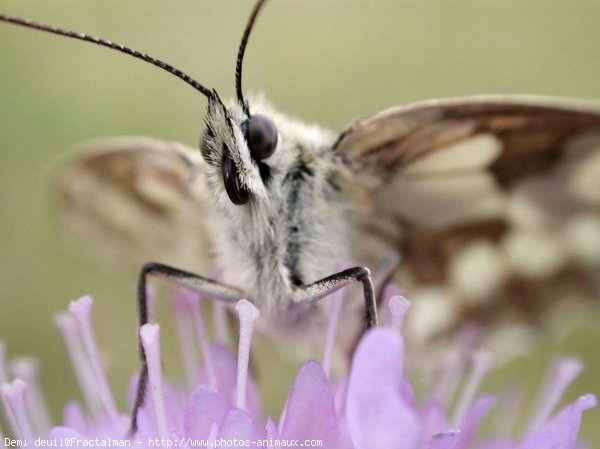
<point x="252" y="241"/>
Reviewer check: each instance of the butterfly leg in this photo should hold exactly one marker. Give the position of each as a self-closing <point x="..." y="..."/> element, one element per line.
<point x="214" y="289"/>
<point x="318" y="290"/>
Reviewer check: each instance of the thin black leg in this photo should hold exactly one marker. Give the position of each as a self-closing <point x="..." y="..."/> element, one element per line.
<point x="215" y="290"/>
<point x="316" y="291"/>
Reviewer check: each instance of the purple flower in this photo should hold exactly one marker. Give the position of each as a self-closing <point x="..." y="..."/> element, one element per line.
<point x="374" y="406"/>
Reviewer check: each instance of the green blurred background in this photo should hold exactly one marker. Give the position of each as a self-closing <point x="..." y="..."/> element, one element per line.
<point x="326" y="61"/>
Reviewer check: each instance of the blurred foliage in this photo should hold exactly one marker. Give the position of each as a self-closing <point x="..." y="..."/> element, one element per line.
<point x="327" y="61"/>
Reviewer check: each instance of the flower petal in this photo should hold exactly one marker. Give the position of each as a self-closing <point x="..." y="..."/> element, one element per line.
<point x="340" y="395"/>
<point x="472" y="422"/>
<point x="204" y="407"/>
<point x="225" y="363"/>
<point x="433" y="418"/>
<point x="238" y="424"/>
<point x="338" y="438"/>
<point x="74" y="417"/>
<point x="64" y="432"/>
<point x="175" y="400"/>
<point x="561" y="431"/>
<point x="378" y="415"/>
<point x="444" y="440"/>
<point x="310" y="410"/>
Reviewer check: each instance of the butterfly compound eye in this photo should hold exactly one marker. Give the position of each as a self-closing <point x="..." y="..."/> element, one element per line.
<point x="261" y="135"/>
<point x="236" y="192"/>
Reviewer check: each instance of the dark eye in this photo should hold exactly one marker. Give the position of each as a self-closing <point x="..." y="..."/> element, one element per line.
<point x="207" y="135"/>
<point x="237" y="193"/>
<point x="261" y="135"/>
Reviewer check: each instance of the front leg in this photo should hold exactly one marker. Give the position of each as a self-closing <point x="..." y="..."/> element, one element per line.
<point x="213" y="289"/>
<point x="316" y="291"/>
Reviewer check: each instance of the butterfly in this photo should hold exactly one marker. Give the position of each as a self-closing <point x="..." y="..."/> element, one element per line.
<point x="482" y="208"/>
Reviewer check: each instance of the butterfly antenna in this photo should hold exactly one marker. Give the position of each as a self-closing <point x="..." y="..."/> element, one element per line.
<point x="240" y="56"/>
<point x="112" y="45"/>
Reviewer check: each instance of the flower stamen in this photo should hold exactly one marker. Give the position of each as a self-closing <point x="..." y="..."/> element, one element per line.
<point x="150" y="336"/>
<point x="398" y="307"/>
<point x="66" y="325"/>
<point x="389" y="291"/>
<point x="247" y="314"/>
<point x="220" y="320"/>
<point x="81" y="311"/>
<point x="185" y="335"/>
<point x="448" y="376"/>
<point x="334" y="316"/>
<point x="453" y="366"/>
<point x="26" y="369"/>
<point x="506" y="417"/>
<point x="219" y="313"/>
<point x="481" y="365"/>
<point x="212" y="437"/>
<point x="195" y="302"/>
<point x="561" y="374"/>
<point x="13" y="395"/>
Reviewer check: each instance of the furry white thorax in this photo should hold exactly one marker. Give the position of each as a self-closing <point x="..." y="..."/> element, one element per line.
<point x="295" y="226"/>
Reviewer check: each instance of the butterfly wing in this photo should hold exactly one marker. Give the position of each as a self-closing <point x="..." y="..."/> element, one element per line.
<point x="493" y="202"/>
<point x="140" y="198"/>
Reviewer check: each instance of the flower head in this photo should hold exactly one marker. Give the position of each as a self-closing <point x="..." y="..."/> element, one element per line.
<point x="373" y="406"/>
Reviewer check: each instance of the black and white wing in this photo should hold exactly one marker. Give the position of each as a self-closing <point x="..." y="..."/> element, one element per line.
<point x="139" y="197"/>
<point x="493" y="202"/>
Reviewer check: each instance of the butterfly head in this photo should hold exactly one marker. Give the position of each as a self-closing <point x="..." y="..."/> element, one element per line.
<point x="238" y="149"/>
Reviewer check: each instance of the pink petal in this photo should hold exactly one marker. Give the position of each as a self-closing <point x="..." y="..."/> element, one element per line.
<point x="310" y="410"/>
<point x="75" y="418"/>
<point x="340" y="394"/>
<point x="226" y="366"/>
<point x="378" y="415"/>
<point x="66" y="433"/>
<point x="204" y="407"/>
<point x="433" y="418"/>
<point x="561" y="431"/>
<point x="472" y="422"/>
<point x="444" y="440"/>
<point x="174" y="403"/>
<point x="338" y="438"/>
<point x="238" y="424"/>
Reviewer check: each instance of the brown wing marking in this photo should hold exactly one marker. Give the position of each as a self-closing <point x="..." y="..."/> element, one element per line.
<point x="504" y="189"/>
<point x="139" y="197"/>
<point x="534" y="132"/>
